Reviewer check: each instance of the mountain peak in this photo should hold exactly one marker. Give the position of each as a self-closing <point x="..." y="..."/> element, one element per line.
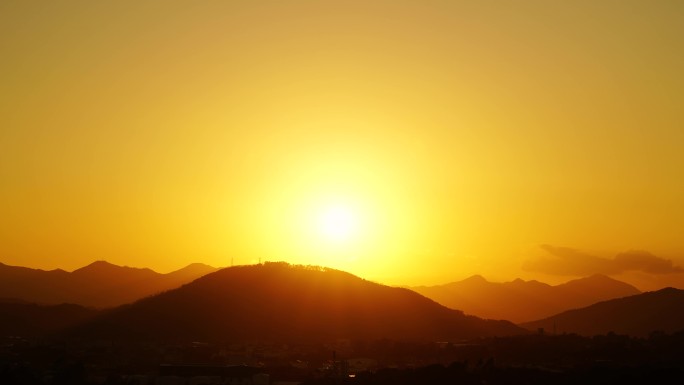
<point x="477" y="278"/>
<point x="603" y="282"/>
<point x="192" y="271"/>
<point x="103" y="268"/>
<point x="195" y="267"/>
<point x="97" y="266"/>
<point x="599" y="277"/>
<point x="104" y="265"/>
<point x="198" y="264"/>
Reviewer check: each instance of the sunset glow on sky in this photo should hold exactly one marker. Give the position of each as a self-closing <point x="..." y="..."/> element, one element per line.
<point x="408" y="142"/>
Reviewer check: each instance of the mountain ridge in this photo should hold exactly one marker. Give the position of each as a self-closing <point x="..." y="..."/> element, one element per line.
<point x="277" y="301"/>
<point x="25" y="319"/>
<point x="99" y="284"/>
<point x="523" y="301"/>
<point x="637" y="315"/>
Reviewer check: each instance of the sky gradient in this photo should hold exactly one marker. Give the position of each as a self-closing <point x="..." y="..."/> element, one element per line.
<point x="464" y="137"/>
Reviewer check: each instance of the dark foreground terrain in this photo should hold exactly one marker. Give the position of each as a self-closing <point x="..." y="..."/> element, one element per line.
<point x="530" y="359"/>
<point x="282" y="324"/>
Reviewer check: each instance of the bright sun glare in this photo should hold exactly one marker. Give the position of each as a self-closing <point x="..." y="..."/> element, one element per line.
<point x="338" y="223"/>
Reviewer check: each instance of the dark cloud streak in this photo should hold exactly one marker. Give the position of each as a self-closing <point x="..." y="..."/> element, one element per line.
<point x="568" y="261"/>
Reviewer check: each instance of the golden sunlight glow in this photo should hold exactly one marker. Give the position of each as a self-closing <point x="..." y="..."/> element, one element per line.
<point x="338" y="223"/>
<point x="404" y="141"/>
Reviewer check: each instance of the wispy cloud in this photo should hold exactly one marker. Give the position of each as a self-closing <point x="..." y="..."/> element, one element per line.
<point x="568" y="261"/>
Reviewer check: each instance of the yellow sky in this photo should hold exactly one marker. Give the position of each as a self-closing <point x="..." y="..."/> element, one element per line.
<point x="460" y="135"/>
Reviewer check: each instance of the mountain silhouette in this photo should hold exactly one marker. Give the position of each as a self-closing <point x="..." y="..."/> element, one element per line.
<point x="30" y="320"/>
<point x="100" y="284"/>
<point x="636" y="315"/>
<point x="280" y="302"/>
<point x="522" y="301"/>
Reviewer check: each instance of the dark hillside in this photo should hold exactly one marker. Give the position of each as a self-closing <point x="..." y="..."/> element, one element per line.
<point x="277" y="301"/>
<point x="637" y="315"/>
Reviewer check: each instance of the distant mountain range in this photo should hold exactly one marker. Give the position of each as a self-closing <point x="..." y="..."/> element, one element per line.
<point x="523" y="301"/>
<point x="279" y="302"/>
<point x="637" y="315"/>
<point x="100" y="284"/>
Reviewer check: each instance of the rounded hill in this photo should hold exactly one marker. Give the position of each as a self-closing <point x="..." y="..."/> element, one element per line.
<point x="281" y="302"/>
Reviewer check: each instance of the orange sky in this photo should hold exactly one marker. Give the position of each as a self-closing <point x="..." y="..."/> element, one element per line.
<point x="460" y="136"/>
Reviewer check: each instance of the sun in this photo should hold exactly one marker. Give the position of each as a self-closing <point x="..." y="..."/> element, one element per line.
<point x="338" y="223"/>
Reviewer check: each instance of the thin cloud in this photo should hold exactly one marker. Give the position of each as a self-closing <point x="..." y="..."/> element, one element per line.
<point x="646" y="262"/>
<point x="568" y="261"/>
